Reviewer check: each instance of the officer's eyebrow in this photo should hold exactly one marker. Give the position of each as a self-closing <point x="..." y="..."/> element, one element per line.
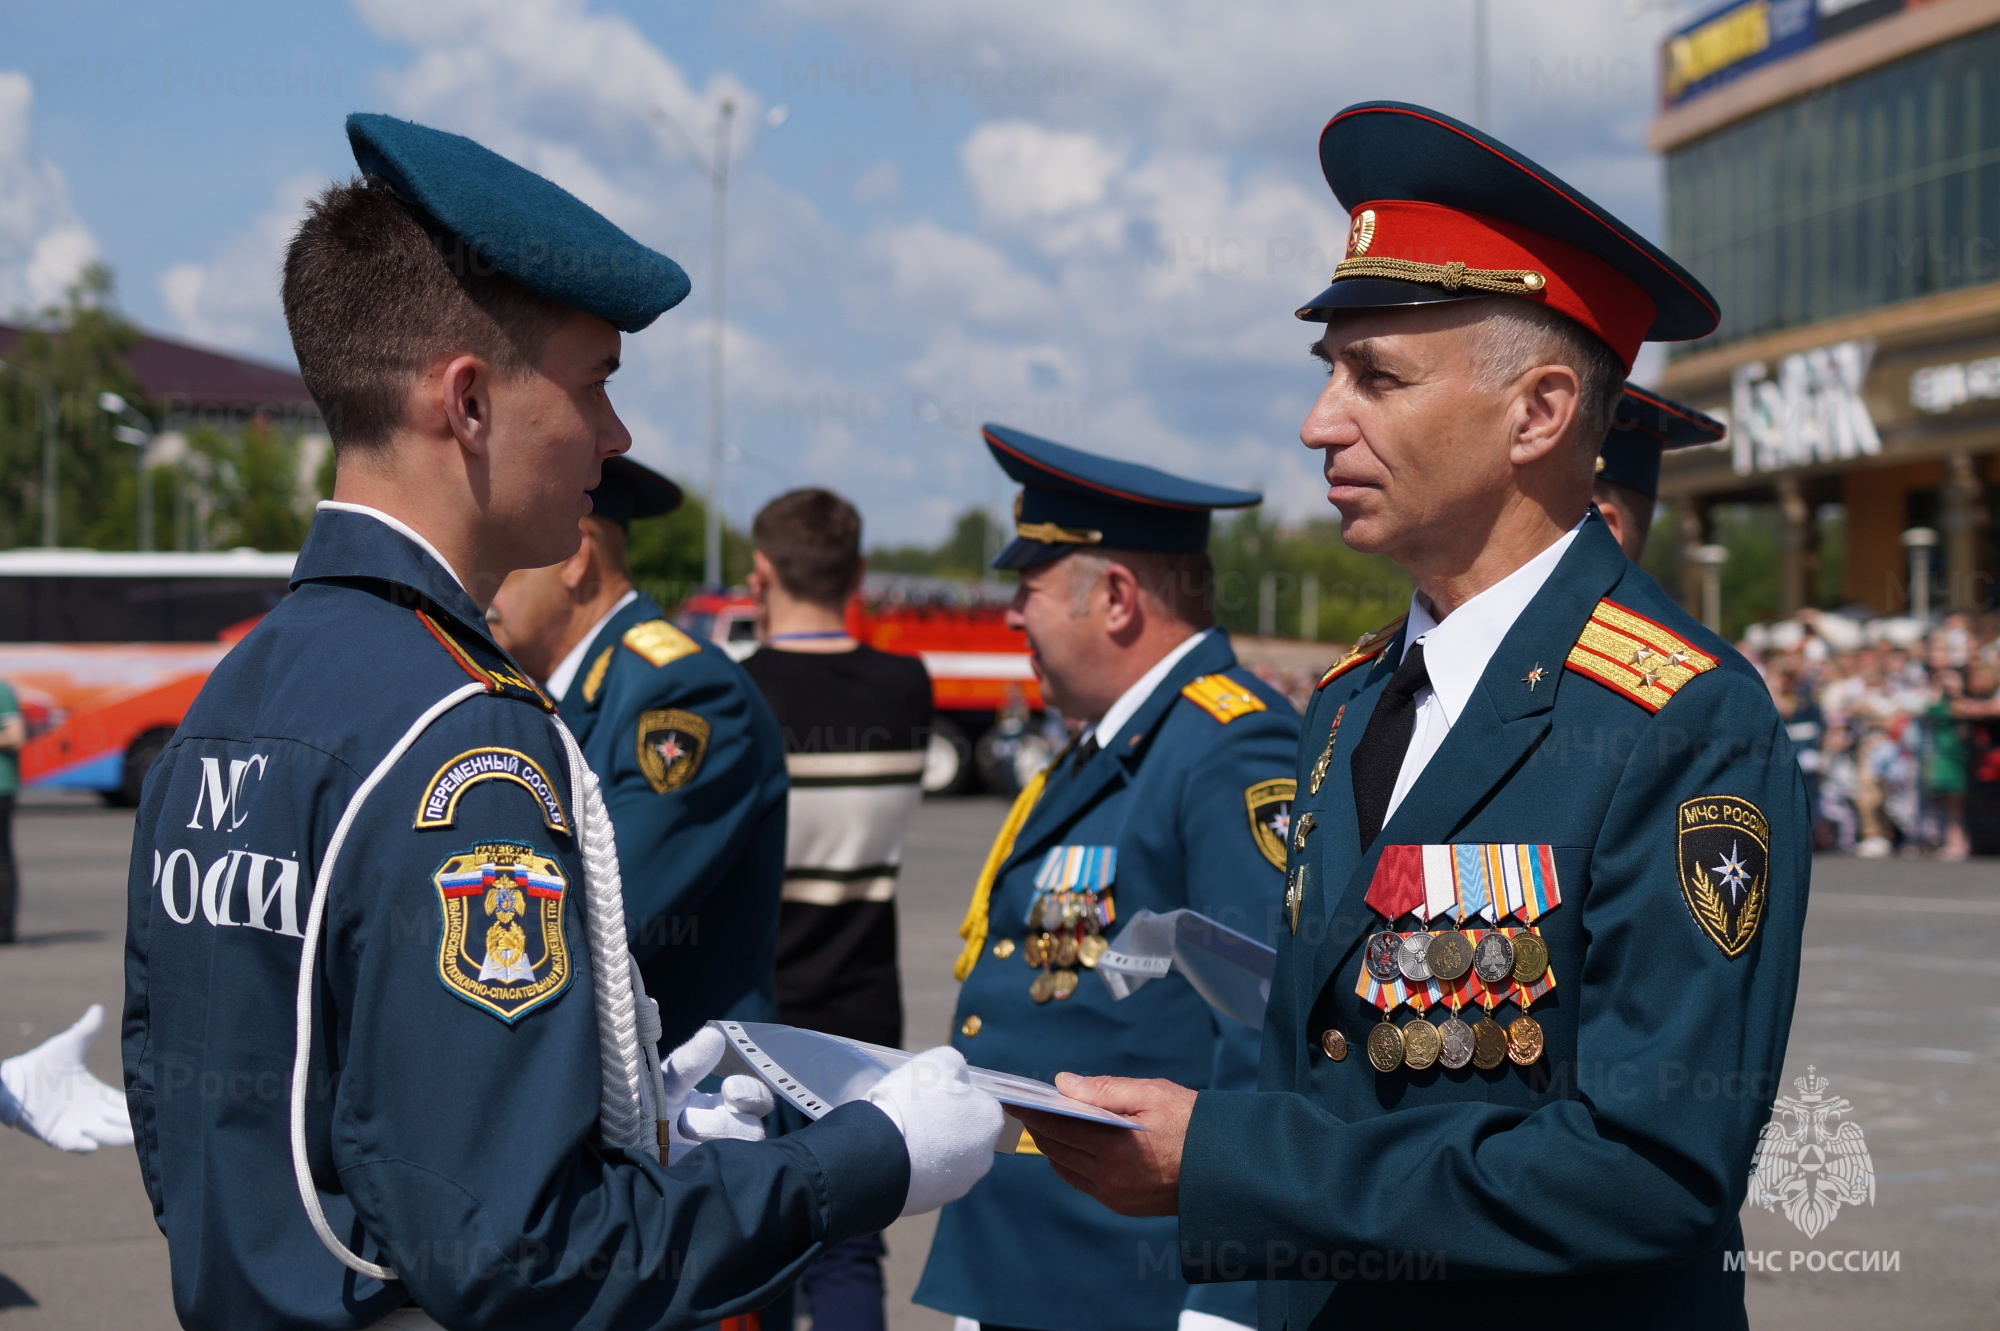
<point x="608" y="366"/>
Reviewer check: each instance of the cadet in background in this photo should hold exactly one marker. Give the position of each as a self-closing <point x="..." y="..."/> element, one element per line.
<point x="1176" y="793"/>
<point x="855" y="723"/>
<point x="692" y="767"/>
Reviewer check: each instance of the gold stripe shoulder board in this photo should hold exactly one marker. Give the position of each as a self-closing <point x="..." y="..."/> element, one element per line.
<point x="1222" y="698"/>
<point x="1366" y="648"/>
<point x="1631" y="654"/>
<point x="659" y="642"/>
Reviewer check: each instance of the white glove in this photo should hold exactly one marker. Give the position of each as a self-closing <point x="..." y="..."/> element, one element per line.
<point x="694" y="1117"/>
<point x="48" y="1093"/>
<point x="949" y="1127"/>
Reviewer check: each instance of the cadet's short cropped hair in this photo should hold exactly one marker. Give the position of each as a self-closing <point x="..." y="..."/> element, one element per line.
<point x="372" y="297"/>
<point x="813" y="540"/>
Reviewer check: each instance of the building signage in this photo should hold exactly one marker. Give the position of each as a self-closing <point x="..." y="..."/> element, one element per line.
<point x="1744" y="34"/>
<point x="1939" y="388"/>
<point x="1810" y="410"/>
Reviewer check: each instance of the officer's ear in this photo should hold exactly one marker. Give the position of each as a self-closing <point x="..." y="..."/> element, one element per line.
<point x="1121" y="590"/>
<point x="581" y="575"/>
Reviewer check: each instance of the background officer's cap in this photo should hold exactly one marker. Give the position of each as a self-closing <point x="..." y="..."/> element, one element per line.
<point x="1440" y="212"/>
<point x="1644" y="424"/>
<point x="1072" y="500"/>
<point x="629" y="490"/>
<point x="534" y="231"/>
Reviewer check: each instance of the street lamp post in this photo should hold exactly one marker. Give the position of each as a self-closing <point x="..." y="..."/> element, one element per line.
<point x="1920" y="541"/>
<point x="138" y="432"/>
<point x="48" y="395"/>
<point x="715" y="165"/>
<point x="1711" y="558"/>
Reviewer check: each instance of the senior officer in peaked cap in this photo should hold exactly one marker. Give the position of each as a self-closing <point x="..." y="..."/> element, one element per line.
<point x="1176" y="793"/>
<point x="1532" y="1001"/>
<point x="689" y="754"/>
<point x="1627" y="484"/>
<point x="383" y="1053"/>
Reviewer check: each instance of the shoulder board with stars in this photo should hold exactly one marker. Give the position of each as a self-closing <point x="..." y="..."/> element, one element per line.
<point x="480" y="660"/>
<point x="1366" y="648"/>
<point x="1630" y="654"/>
<point x="659" y="642"/>
<point x="1222" y="698"/>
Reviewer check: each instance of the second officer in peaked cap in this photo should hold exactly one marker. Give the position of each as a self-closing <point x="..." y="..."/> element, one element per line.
<point x="1627" y="484"/>
<point x="1177" y="792"/>
<point x="386" y="1056"/>
<point x="1532" y="999"/>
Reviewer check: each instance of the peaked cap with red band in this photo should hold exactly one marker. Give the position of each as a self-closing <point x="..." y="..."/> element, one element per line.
<point x="1442" y="212"/>
<point x="1644" y="424"/>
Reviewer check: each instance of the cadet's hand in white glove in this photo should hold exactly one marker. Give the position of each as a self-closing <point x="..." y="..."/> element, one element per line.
<point x="48" y="1093"/>
<point x="695" y="1117"/>
<point x="949" y="1126"/>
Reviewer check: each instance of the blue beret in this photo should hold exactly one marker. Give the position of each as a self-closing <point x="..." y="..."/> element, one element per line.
<point x="1644" y="425"/>
<point x="531" y="229"/>
<point x="1071" y="499"/>
<point x="629" y="490"/>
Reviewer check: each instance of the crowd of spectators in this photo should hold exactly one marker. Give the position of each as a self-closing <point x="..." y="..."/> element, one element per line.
<point x="1897" y="729"/>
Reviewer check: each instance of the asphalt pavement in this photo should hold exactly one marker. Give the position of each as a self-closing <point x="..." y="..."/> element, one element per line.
<point x="1899" y="1012"/>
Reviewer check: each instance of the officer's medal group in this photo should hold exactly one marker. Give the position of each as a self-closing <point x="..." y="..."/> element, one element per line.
<point x="1458" y="965"/>
<point x="1066" y="919"/>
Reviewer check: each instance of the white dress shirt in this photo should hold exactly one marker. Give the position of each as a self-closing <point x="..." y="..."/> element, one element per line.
<point x="1456" y="653"/>
<point x="1130" y="701"/>
<point x="557" y="683"/>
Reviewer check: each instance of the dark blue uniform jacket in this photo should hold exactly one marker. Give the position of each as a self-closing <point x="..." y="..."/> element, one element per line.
<point x="452" y="1117"/>
<point x="703" y="859"/>
<point x="1024" y="1249"/>
<point x="1599" y="1186"/>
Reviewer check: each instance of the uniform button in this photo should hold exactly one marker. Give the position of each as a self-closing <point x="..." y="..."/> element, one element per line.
<point x="1004" y="948"/>
<point x="1333" y="1043"/>
<point x="972" y="1024"/>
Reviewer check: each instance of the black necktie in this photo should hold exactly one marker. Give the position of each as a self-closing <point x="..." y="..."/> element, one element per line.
<point x="1378" y="758"/>
<point x="1084" y="752"/>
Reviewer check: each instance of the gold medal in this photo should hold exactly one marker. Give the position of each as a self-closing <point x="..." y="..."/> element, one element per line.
<point x="1524" y="1039"/>
<point x="1091" y="948"/>
<point x="1004" y="948"/>
<point x="1063" y="952"/>
<point x="1531" y="957"/>
<point x="1421" y="1045"/>
<point x="1043" y="988"/>
<point x="1385" y="1046"/>
<point x="1035" y="951"/>
<point x="1450" y="955"/>
<point x="1489" y="1042"/>
<point x="1062" y="983"/>
<point x="1333" y="1043"/>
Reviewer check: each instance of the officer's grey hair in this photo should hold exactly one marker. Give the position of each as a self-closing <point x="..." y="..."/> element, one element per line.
<point x="1183" y="584"/>
<point x="1518" y="336"/>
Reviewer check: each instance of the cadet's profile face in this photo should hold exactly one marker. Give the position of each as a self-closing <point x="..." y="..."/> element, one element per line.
<point x="1414" y="445"/>
<point x="552" y="429"/>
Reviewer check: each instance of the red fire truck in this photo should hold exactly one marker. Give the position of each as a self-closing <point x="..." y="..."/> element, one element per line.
<point x="991" y="731"/>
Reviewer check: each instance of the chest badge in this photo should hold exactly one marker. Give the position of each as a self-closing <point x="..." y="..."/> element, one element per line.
<point x="1325" y="759"/>
<point x="671" y="744"/>
<point x="1724" y="853"/>
<point x="503" y="948"/>
<point x="1270" y="806"/>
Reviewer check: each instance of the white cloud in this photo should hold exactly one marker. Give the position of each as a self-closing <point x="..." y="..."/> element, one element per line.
<point x="43" y="243"/>
<point x="232" y="300"/>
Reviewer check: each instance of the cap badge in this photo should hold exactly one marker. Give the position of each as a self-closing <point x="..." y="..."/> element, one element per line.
<point x="1361" y="232"/>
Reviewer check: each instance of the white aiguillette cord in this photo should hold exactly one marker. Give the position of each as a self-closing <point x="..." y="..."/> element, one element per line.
<point x="628" y="1022"/>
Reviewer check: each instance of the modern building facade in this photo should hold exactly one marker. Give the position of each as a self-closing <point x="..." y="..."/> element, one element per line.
<point x="1833" y="175"/>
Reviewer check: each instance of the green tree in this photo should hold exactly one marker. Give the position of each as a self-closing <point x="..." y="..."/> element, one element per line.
<point x="666" y="553"/>
<point x="80" y="346"/>
<point x="252" y="480"/>
<point x="1355" y="592"/>
<point x="973" y="542"/>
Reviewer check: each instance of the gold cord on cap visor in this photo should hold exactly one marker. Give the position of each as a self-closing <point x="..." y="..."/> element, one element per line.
<point x="1451" y="276"/>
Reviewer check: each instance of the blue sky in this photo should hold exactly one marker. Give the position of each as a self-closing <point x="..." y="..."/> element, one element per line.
<point x="1086" y="218"/>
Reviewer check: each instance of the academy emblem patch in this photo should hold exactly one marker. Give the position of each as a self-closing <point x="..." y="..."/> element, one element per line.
<point x="1270" y="805"/>
<point x="1724" y="844"/>
<point x="671" y="744"/>
<point x="503" y="948"/>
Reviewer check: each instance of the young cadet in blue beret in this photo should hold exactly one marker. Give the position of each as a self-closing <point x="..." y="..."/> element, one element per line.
<point x="691" y="760"/>
<point x="384" y="1052"/>
<point x="1627" y="484"/>
<point x="1532" y="1001"/>
<point x="1175" y="794"/>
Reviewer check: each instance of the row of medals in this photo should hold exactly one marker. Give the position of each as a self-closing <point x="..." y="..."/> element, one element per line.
<point x="1070" y="936"/>
<point x="1447" y="955"/>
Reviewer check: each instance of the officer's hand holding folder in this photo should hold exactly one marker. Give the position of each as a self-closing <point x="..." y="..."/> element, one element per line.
<point x="818" y="1072"/>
